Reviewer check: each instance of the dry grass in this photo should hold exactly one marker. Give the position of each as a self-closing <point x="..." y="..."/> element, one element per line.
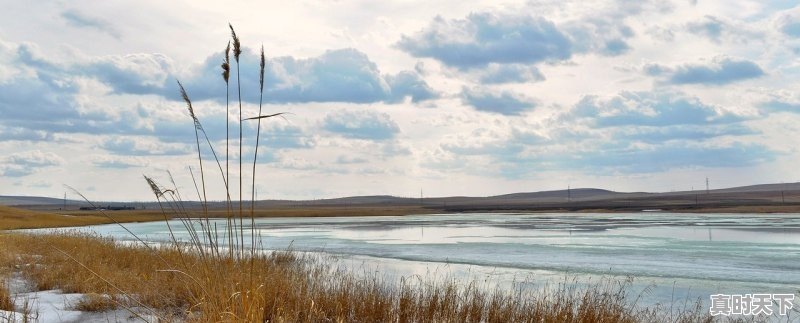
<point x="6" y="303"/>
<point x="284" y="287"/>
<point x="97" y="303"/>
<point x="14" y="218"/>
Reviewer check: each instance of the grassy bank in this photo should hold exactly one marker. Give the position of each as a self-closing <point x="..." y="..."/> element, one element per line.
<point x="15" y="218"/>
<point x="283" y="287"/>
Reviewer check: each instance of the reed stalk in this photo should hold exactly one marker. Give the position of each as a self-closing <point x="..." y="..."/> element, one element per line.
<point x="237" y="50"/>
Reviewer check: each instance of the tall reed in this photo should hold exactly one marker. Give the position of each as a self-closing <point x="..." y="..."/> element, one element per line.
<point x="237" y="50"/>
<point x="226" y="73"/>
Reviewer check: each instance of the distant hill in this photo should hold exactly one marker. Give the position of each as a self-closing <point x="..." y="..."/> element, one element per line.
<point x="578" y="198"/>
<point x="576" y="193"/>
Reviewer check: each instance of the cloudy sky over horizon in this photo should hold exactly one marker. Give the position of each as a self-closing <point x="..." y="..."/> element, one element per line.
<point x="453" y="98"/>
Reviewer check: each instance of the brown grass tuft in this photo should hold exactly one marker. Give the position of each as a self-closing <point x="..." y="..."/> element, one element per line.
<point x="96" y="303"/>
<point x="6" y="303"/>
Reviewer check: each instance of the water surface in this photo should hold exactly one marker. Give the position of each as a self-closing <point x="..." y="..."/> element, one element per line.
<point x="680" y="255"/>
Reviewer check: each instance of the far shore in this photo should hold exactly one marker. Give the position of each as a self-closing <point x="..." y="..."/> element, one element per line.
<point x="31" y="217"/>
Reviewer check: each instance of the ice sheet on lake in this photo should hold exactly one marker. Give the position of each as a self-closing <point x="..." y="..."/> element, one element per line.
<point x="696" y="253"/>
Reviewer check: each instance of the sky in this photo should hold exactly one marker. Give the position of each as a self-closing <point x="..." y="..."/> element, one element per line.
<point x="449" y="98"/>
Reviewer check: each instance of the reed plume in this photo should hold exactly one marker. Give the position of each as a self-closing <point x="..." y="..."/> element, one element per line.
<point x="237" y="46"/>
<point x="226" y="73"/>
<point x="255" y="155"/>
<point x="226" y="63"/>
<point x="197" y="128"/>
<point x="237" y="50"/>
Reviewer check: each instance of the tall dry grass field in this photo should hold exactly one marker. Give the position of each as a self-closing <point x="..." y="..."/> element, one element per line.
<point x="174" y="284"/>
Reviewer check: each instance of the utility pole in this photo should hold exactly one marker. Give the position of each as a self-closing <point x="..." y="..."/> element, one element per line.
<point x="707" y="186"/>
<point x="420" y="197"/>
<point x="569" y="193"/>
<point x="65" y="201"/>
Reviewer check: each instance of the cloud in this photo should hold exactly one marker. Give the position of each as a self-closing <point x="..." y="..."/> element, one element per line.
<point x="710" y="27"/>
<point x="28" y="162"/>
<point x="130" y="74"/>
<point x="603" y="35"/>
<point x="344" y="75"/>
<point x="120" y="95"/>
<point x="366" y="124"/>
<point x="409" y="84"/>
<point x="116" y="162"/>
<point x="615" y="47"/>
<point x="81" y="20"/>
<point x="125" y="74"/>
<point x="510" y="73"/>
<point x="23" y="134"/>
<point x="128" y="146"/>
<point x="504" y="102"/>
<point x="296" y="163"/>
<point x="346" y="159"/>
<point x="720" y="71"/>
<point x="789" y="22"/>
<point x="41" y="97"/>
<point x="626" y="133"/>
<point x="602" y="151"/>
<point x="280" y="135"/>
<point x="690" y="133"/>
<point x="46" y="104"/>
<point x="502" y="143"/>
<point x="657" y="158"/>
<point x="781" y="106"/>
<point x="15" y="170"/>
<point x="484" y="38"/>
<point x="719" y="30"/>
<point x="49" y="97"/>
<point x="648" y="109"/>
<point x="35" y="158"/>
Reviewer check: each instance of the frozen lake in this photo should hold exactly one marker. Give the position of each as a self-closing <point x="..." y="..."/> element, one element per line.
<point x="681" y="255"/>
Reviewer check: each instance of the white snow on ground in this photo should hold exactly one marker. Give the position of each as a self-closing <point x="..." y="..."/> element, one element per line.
<point x="53" y="306"/>
<point x="6" y="316"/>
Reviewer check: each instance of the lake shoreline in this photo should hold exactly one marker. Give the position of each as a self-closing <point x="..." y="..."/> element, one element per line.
<point x="32" y="217"/>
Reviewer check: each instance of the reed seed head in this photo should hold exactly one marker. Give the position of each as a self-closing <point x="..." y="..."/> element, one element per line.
<point x="189" y="105"/>
<point x="153" y="186"/>
<point x="263" y="62"/>
<point x="237" y="49"/>
<point x="187" y="100"/>
<point x="226" y="64"/>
